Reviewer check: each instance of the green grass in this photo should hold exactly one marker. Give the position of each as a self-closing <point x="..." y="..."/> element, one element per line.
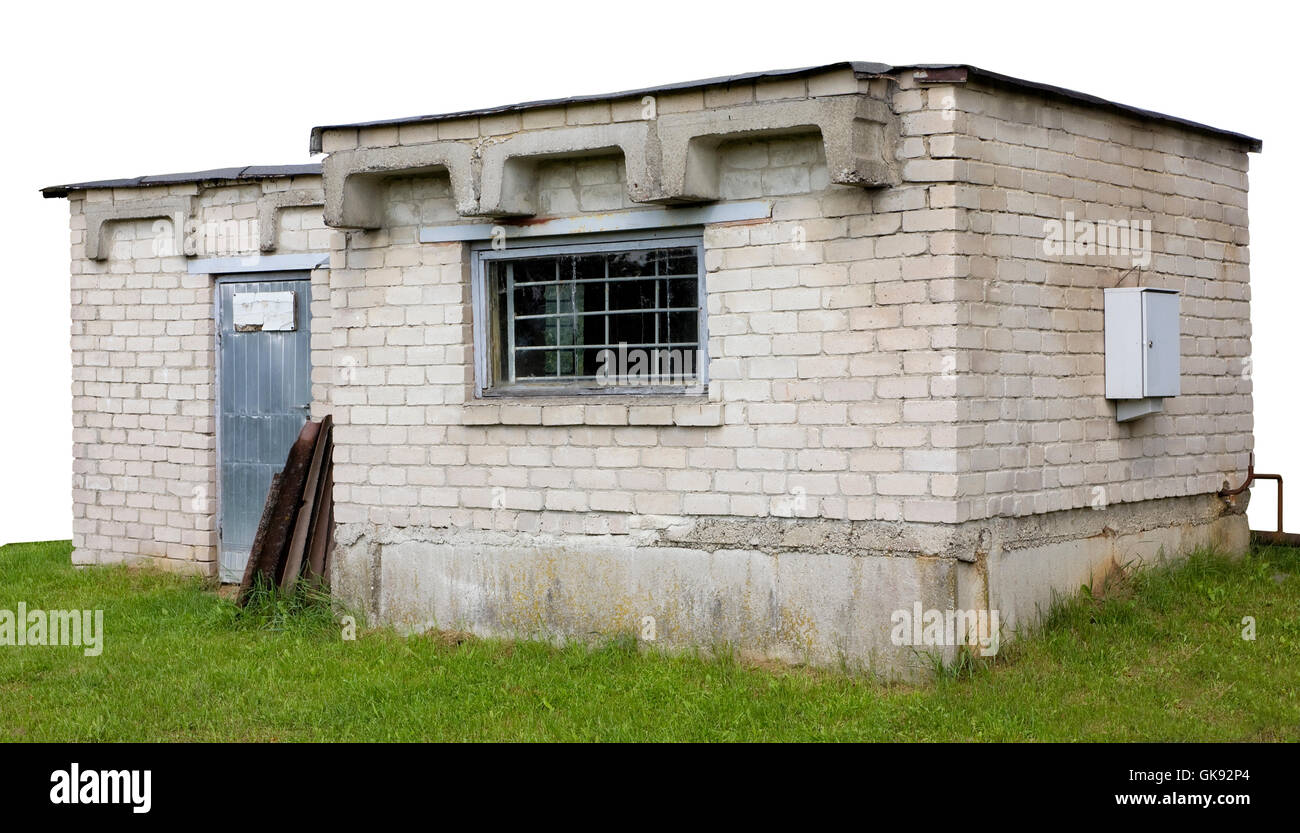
<point x="1160" y="657"/>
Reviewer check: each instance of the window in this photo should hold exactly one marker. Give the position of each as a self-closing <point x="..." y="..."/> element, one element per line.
<point x="621" y="317"/>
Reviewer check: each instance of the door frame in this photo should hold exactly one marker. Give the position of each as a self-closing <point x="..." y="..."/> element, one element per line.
<point x="252" y="275"/>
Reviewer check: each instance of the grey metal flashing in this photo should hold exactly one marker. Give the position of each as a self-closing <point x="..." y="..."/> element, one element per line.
<point x="247" y="173"/>
<point x="257" y="263"/>
<point x="633" y="220"/>
<point x="864" y="69"/>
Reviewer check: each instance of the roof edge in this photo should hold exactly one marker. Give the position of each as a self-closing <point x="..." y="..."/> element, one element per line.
<point x="1253" y="145"/>
<point x="247" y="173"/>
<point x="861" y="68"/>
<point x="864" y="69"/>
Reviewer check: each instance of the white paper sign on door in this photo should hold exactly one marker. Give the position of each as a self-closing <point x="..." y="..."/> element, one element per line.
<point x="265" y="311"/>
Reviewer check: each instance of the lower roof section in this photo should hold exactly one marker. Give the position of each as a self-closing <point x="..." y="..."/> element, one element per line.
<point x="247" y="173"/>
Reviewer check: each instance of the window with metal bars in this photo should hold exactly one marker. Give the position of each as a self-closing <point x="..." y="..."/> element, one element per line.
<point x="605" y="317"/>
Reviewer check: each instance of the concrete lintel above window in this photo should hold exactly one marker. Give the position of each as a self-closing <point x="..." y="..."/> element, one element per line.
<point x="257" y="263"/>
<point x="633" y="220"/>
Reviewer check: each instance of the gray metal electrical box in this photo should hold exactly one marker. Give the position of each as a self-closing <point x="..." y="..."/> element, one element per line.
<point x="1143" y="349"/>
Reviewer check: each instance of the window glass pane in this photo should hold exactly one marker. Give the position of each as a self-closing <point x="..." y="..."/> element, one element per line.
<point x="592" y="360"/>
<point x="632" y="294"/>
<point x="683" y="326"/>
<point x="533" y="300"/>
<point x="589" y="267"/>
<point x="683" y="292"/>
<point x="632" y="328"/>
<point x="677" y="262"/>
<point x="565" y="362"/>
<point x="534" y="332"/>
<point x="630" y="264"/>
<point x="533" y="363"/>
<point x="539" y="269"/>
<point x="589" y="297"/>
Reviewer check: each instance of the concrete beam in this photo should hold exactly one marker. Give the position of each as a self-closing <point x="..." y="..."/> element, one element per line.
<point x="509" y="167"/>
<point x="857" y="132"/>
<point x="354" y="193"/>
<point x="670" y="159"/>
<point x="99" y="215"/>
<point x="268" y="211"/>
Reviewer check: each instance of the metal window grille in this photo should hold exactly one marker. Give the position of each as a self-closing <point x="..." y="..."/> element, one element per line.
<point x="611" y="317"/>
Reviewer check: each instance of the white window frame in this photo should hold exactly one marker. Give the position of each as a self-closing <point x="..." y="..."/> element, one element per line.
<point x="483" y="253"/>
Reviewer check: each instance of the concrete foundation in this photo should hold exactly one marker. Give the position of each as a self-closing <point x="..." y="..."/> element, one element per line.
<point x="809" y="591"/>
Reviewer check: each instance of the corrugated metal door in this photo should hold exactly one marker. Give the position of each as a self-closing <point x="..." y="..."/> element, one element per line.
<point x="264" y="384"/>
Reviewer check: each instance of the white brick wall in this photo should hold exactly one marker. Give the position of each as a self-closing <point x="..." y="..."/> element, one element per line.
<point x="775" y="293"/>
<point x="143" y="339"/>
<point x="1041" y="436"/>
<point x="907" y="353"/>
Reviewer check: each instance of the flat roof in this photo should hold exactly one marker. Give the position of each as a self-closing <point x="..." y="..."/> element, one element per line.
<point x="864" y="69"/>
<point x="247" y="173"/>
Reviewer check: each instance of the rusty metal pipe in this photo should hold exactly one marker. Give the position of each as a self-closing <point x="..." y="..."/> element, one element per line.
<point x="1278" y="478"/>
<point x="1283" y="539"/>
<point x="1250" y="478"/>
<point x="1278" y="537"/>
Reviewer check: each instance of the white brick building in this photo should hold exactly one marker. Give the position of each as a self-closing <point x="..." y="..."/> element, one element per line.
<point x="876" y="300"/>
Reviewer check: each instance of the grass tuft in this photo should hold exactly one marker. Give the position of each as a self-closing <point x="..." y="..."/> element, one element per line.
<point x="308" y="610"/>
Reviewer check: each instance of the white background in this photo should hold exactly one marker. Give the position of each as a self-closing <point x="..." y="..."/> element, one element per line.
<point x="107" y="90"/>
